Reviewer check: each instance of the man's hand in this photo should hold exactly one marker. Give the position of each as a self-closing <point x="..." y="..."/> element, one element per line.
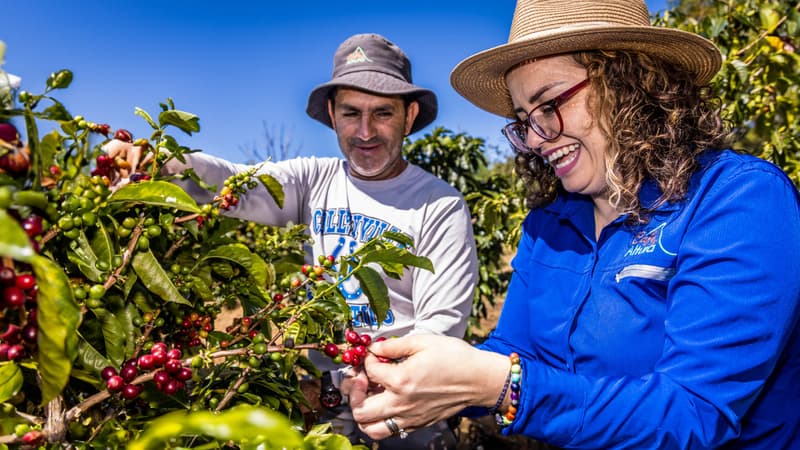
<point x="124" y="159"/>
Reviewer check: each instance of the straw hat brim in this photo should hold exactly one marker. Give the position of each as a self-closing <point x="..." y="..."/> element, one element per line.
<point x="377" y="83"/>
<point x="480" y="78"/>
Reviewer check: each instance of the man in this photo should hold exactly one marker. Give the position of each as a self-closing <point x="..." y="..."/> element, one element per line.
<point x="372" y="105"/>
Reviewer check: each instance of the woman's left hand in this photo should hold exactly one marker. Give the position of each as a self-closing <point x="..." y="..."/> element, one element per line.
<point x="434" y="378"/>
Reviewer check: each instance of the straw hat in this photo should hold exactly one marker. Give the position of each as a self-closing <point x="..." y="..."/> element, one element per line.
<point x="550" y="27"/>
<point x="372" y="63"/>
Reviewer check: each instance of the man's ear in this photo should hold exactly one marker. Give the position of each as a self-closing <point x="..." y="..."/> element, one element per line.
<point x="330" y="114"/>
<point x="412" y="111"/>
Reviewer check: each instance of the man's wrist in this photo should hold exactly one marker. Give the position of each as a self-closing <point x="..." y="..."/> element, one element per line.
<point x="330" y="396"/>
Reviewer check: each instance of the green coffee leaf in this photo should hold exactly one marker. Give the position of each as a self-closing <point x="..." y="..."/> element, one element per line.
<point x="248" y="427"/>
<point x="258" y="269"/>
<point x="375" y="289"/>
<point x="59" y="318"/>
<point x="184" y="121"/>
<point x="14" y="242"/>
<point x="156" y="193"/>
<point x="155" y="278"/>
<point x="393" y="260"/>
<point x="144" y="115"/>
<point x="10" y="381"/>
<point x="274" y="188"/>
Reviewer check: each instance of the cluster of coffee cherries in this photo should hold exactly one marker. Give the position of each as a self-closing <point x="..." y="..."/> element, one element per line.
<point x="29" y="434"/>
<point x="170" y="374"/>
<point x="19" y="328"/>
<point x="194" y="328"/>
<point x="105" y="166"/>
<point x="356" y="350"/>
<point x="235" y="186"/>
<point x="82" y="197"/>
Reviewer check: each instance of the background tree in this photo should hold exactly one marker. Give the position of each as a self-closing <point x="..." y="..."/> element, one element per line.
<point x="278" y="145"/>
<point x="493" y="199"/>
<point x="759" y="84"/>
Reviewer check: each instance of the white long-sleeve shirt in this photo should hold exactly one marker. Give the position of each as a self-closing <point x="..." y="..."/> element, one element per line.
<point x="343" y="212"/>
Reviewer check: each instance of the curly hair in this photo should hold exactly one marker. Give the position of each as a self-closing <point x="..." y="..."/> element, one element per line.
<point x="657" y="120"/>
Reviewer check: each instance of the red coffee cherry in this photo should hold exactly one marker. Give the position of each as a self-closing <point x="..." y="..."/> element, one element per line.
<point x="25" y="281"/>
<point x="365" y="339"/>
<point x="352" y="337"/>
<point x="128" y="373"/>
<point x="331" y="349"/>
<point x="145" y="362"/>
<point x="173" y="366"/>
<point x="171" y="387"/>
<point x="33" y="437"/>
<point x="13" y="297"/>
<point x="30" y="333"/>
<point x="15" y="352"/>
<point x="158" y="347"/>
<point x="184" y="374"/>
<point x="174" y="353"/>
<point x="123" y="135"/>
<point x="7" y="276"/>
<point x="161" y="377"/>
<point x="159" y="358"/>
<point x="108" y="372"/>
<point x="4" y="351"/>
<point x="115" y="383"/>
<point x="12" y="335"/>
<point x="131" y="391"/>
<point x="348" y="356"/>
<point x="32" y="225"/>
<point x="360" y="350"/>
<point x="9" y="133"/>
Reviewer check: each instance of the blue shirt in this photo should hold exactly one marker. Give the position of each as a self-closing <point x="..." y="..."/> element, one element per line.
<point x="681" y="333"/>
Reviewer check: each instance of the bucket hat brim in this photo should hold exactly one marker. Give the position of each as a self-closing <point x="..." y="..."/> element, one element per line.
<point x="378" y="84"/>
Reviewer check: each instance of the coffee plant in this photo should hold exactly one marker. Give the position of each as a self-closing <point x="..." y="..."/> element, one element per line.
<point x="132" y="316"/>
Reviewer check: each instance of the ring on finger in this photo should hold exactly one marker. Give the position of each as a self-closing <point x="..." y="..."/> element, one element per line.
<point x="395" y="429"/>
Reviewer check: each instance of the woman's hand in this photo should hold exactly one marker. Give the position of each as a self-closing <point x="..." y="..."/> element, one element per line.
<point x="435" y="378"/>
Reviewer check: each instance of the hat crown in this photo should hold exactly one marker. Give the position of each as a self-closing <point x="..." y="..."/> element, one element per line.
<point x="371" y="53"/>
<point x="537" y="16"/>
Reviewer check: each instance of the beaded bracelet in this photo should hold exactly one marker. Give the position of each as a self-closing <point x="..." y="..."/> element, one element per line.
<point x="513" y="382"/>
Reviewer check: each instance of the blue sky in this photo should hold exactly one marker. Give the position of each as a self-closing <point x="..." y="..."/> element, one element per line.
<point x="241" y="64"/>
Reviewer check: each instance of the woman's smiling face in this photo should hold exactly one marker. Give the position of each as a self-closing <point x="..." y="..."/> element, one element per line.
<point x="578" y="154"/>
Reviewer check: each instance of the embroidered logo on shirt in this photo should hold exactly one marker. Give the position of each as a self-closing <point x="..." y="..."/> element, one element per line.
<point x="358" y="55"/>
<point x="646" y="242"/>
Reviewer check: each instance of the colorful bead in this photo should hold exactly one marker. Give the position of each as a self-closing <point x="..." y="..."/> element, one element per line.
<point x="513" y="383"/>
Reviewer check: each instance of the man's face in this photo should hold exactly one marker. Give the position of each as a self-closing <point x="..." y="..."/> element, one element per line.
<point x="370" y="129"/>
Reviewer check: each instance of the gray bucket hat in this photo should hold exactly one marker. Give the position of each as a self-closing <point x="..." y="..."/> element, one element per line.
<point x="371" y="63"/>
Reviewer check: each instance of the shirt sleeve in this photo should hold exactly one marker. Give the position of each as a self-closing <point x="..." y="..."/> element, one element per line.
<point x="443" y="298"/>
<point x="256" y="204"/>
<point x="731" y="309"/>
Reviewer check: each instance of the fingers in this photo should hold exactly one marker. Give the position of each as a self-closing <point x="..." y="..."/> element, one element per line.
<point x="396" y="349"/>
<point x="355" y="385"/>
<point x="382" y="429"/>
<point x="126" y="157"/>
<point x="115" y="148"/>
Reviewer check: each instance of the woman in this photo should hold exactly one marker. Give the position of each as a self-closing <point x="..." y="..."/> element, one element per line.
<point x="654" y="299"/>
